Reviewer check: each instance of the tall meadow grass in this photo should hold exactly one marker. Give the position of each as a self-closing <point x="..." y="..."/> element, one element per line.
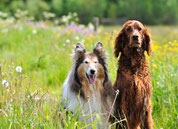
<point x="31" y="98"/>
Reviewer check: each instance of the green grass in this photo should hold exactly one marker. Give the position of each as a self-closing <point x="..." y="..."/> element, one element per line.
<point x="32" y="99"/>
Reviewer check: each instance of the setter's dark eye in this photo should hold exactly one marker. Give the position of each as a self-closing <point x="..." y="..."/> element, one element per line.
<point x="129" y="29"/>
<point x="139" y="29"/>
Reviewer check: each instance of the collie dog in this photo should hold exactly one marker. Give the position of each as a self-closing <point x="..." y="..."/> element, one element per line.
<point x="87" y="86"/>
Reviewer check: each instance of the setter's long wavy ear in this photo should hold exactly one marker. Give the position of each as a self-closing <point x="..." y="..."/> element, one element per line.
<point x="147" y="42"/>
<point x="78" y="51"/>
<point x="119" y="43"/>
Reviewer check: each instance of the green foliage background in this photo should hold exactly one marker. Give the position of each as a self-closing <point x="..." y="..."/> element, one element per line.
<point x="147" y="11"/>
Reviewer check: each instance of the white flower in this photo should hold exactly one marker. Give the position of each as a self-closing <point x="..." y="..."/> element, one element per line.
<point x="91" y="26"/>
<point x="77" y="38"/>
<point x="5" y="30"/>
<point x="65" y="19"/>
<point x="5" y="83"/>
<point x="82" y="26"/>
<point x="69" y="17"/>
<point x="20" y="28"/>
<point x="34" y="31"/>
<point x="19" y="69"/>
<point x="74" y="14"/>
<point x="67" y="41"/>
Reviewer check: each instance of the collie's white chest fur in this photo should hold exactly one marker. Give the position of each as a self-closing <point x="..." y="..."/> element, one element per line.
<point x="73" y="101"/>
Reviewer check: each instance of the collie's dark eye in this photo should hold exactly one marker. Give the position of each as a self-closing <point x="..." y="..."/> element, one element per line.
<point x="86" y="62"/>
<point x="96" y="62"/>
<point x="129" y="29"/>
<point x="139" y="29"/>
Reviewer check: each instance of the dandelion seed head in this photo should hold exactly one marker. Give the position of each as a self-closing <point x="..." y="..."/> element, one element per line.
<point x="34" y="31"/>
<point x="67" y="41"/>
<point x="77" y="38"/>
<point x="5" y="83"/>
<point x="19" y="69"/>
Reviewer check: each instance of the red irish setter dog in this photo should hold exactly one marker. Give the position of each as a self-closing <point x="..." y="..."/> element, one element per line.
<point x="133" y="76"/>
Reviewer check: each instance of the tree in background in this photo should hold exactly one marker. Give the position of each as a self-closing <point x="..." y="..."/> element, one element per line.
<point x="147" y="11"/>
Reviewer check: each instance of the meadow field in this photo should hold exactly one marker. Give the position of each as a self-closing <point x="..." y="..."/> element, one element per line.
<point x="35" y="58"/>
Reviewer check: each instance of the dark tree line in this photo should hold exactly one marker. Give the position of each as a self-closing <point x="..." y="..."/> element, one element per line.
<point x="147" y="11"/>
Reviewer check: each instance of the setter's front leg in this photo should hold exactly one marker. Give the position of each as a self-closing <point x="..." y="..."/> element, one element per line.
<point x="148" y="121"/>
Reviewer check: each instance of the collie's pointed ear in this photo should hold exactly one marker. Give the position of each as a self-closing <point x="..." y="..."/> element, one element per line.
<point x="80" y="48"/>
<point x="119" y="43"/>
<point x="100" y="51"/>
<point x="147" y="42"/>
<point x="79" y="51"/>
<point x="102" y="56"/>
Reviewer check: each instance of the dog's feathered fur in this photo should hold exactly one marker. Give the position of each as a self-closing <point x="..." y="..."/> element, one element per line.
<point x="133" y="77"/>
<point x="79" y="93"/>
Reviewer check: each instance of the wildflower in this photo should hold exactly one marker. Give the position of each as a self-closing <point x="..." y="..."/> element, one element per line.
<point x="20" y="28"/>
<point x="19" y="69"/>
<point x="91" y="26"/>
<point x="29" y="83"/>
<point x="81" y="26"/>
<point x="12" y="65"/>
<point x="68" y="41"/>
<point x="47" y="90"/>
<point x="77" y="38"/>
<point x="5" y="83"/>
<point x="69" y="17"/>
<point x="74" y="14"/>
<point x="34" y="31"/>
<point x="65" y="19"/>
<point x="5" y="30"/>
<point x="117" y="92"/>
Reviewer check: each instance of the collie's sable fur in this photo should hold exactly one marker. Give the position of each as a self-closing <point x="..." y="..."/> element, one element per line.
<point x="88" y="86"/>
<point x="133" y="76"/>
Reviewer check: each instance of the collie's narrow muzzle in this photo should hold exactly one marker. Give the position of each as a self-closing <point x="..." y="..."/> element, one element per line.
<point x="91" y="75"/>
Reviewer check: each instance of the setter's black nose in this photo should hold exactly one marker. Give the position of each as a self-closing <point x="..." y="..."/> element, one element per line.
<point x="135" y="37"/>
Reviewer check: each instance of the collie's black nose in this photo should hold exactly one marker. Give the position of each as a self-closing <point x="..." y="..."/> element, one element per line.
<point x="92" y="71"/>
<point x="135" y="37"/>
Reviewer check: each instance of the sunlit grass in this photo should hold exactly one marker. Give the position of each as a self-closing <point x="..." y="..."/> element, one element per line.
<point x="32" y="98"/>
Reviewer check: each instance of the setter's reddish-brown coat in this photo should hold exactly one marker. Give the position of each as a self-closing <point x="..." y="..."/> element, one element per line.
<point x="133" y="77"/>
